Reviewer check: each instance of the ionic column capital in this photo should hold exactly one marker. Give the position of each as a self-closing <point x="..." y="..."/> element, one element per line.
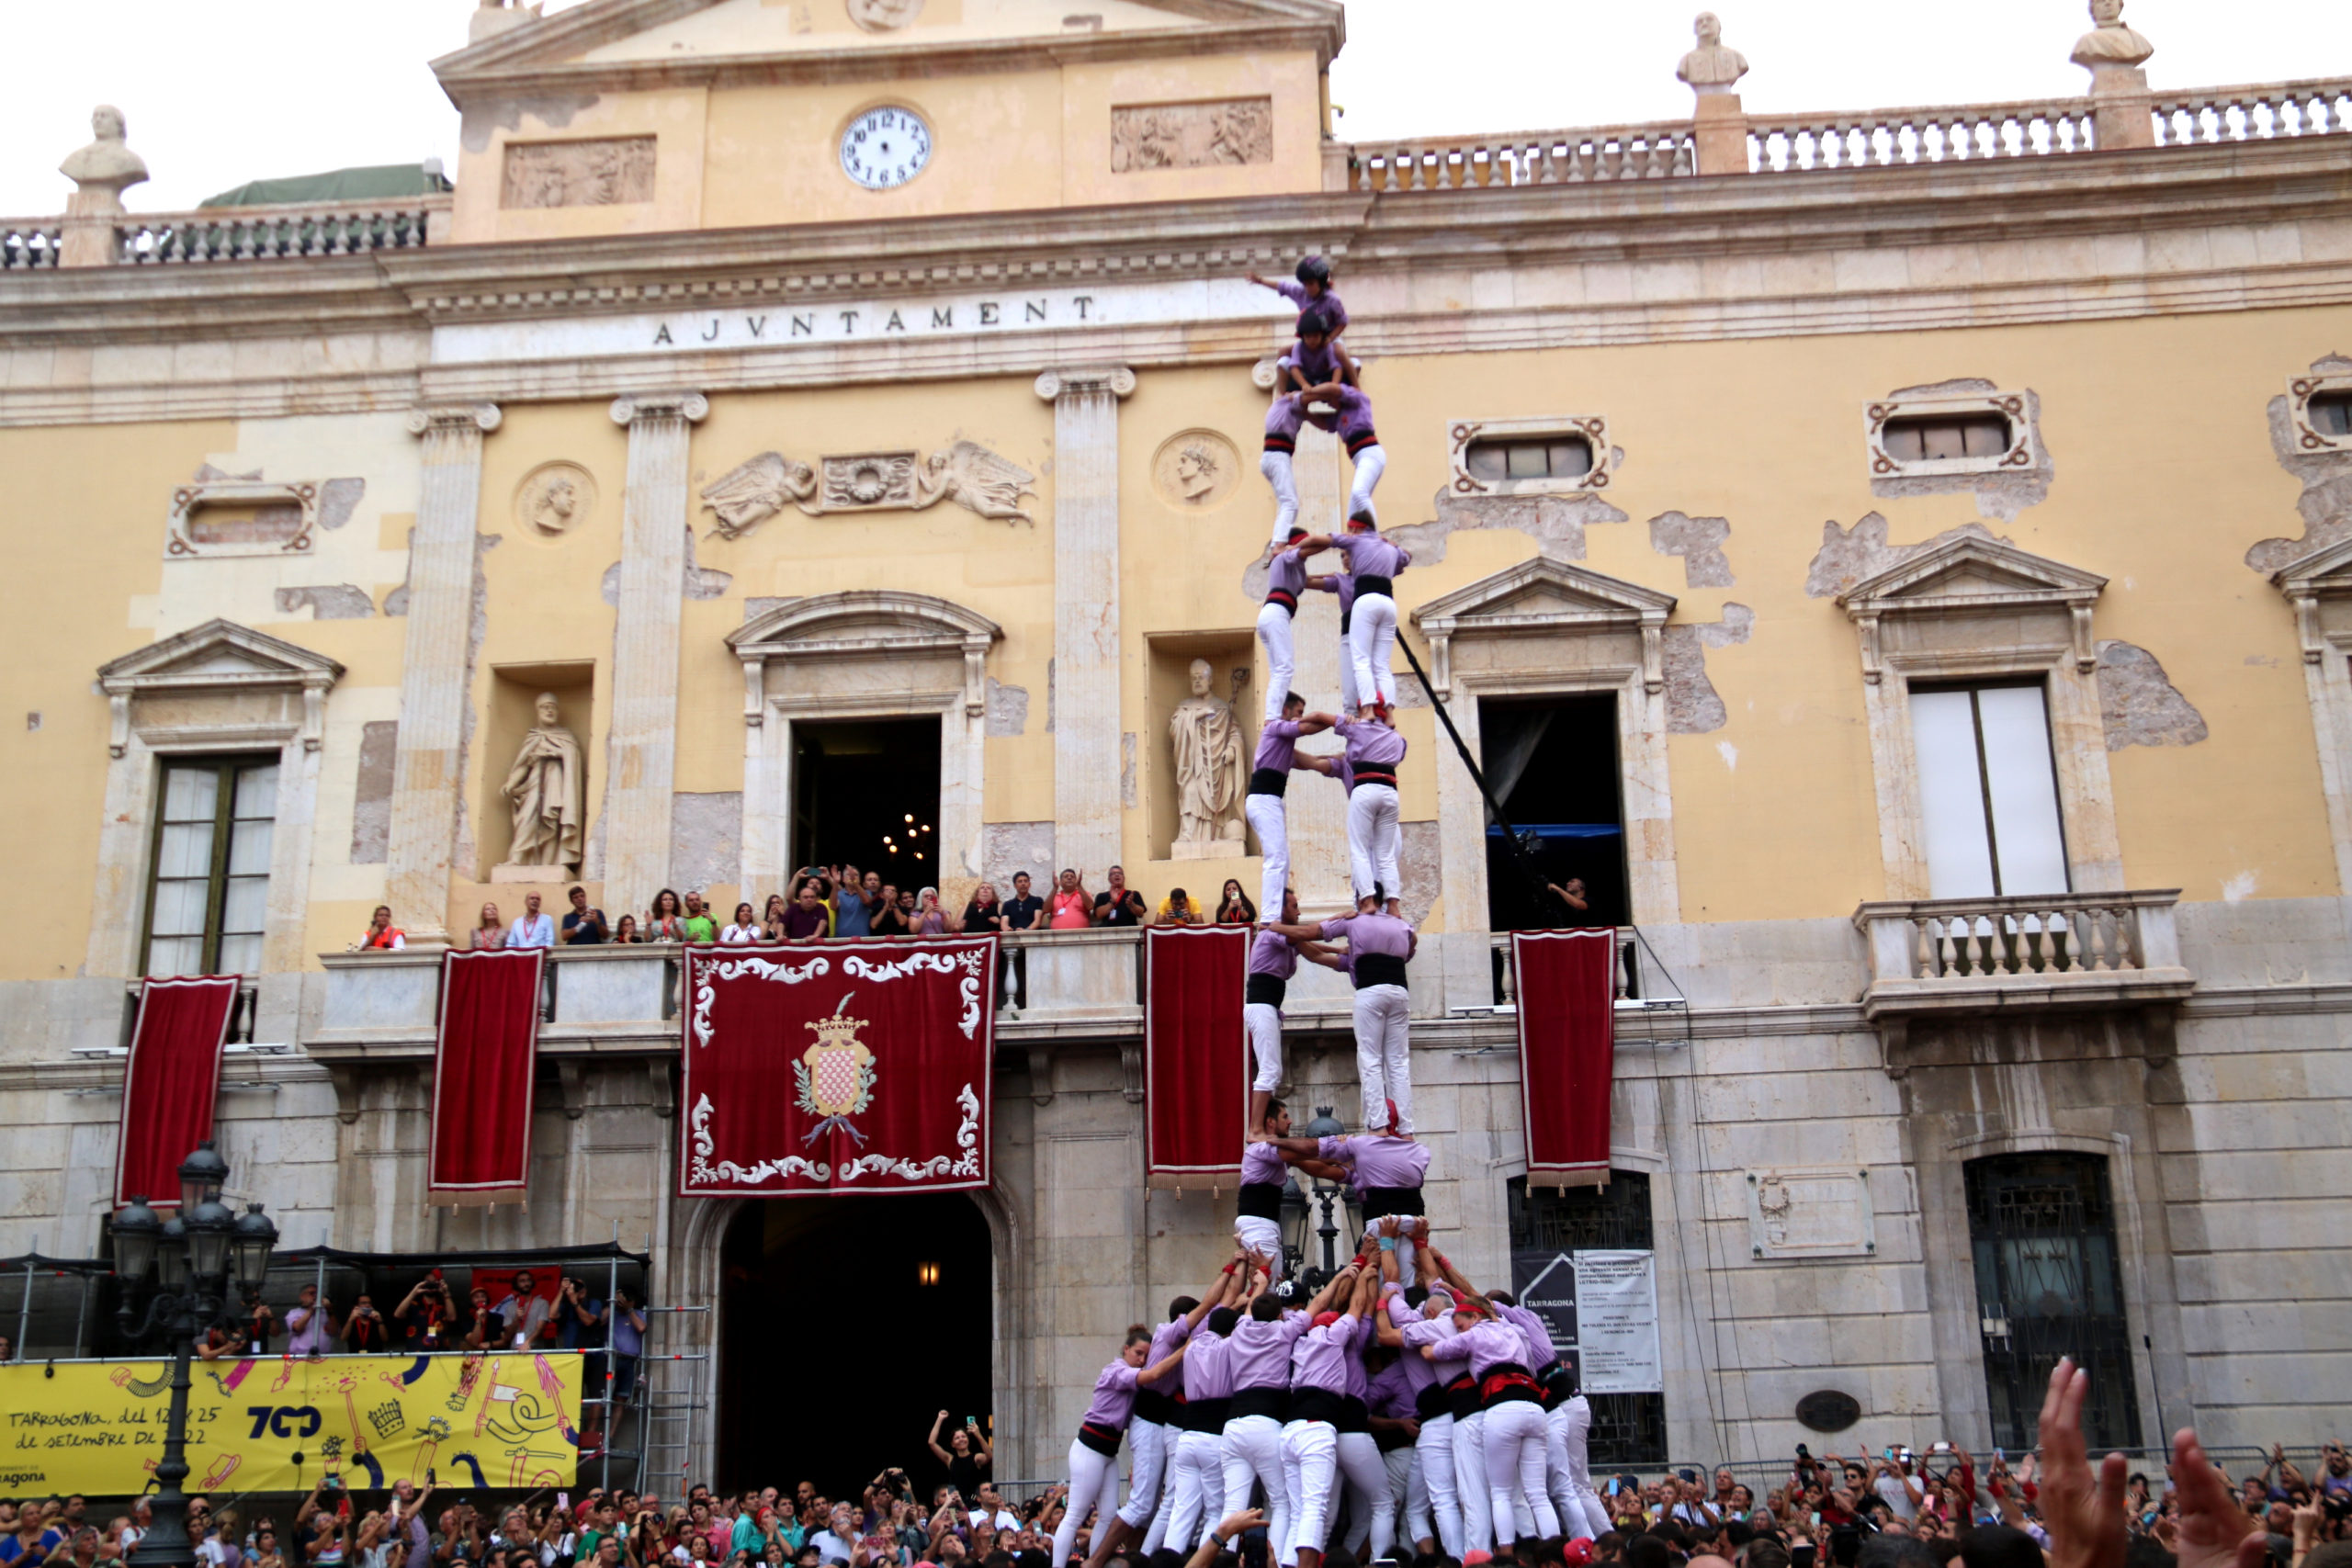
<point x="484" y="417"/>
<point x="630" y="407"/>
<point x="1115" y="380"/>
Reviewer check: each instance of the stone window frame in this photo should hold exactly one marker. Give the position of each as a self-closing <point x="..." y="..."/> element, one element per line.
<point x="2318" y="586"/>
<point x="1606" y="606"/>
<point x="870" y="646"/>
<point x="180" y="697"/>
<point x="2301" y="391"/>
<point x="1591" y="429"/>
<point x="2024" y="454"/>
<point x="2038" y="625"/>
<point x="179" y="544"/>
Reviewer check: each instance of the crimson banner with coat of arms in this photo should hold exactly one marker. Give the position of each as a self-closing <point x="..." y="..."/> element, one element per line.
<point x="852" y="1067"/>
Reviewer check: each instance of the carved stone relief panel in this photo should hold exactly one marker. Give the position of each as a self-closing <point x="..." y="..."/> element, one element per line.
<point x="1811" y="1213"/>
<point x="241" y="517"/>
<point x="1196" y="470"/>
<point x="884" y="16"/>
<point x="869" y="480"/>
<point x="605" y="172"/>
<point x="554" y="499"/>
<point x="1192" y="136"/>
<point x="967" y="473"/>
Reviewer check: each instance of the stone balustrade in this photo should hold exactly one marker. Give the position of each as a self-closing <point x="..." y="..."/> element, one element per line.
<point x="1655" y="151"/>
<point x="30" y="242"/>
<point x="2057" y="950"/>
<point x="263" y="233"/>
<point x="1891" y="137"/>
<point x="2318" y="108"/>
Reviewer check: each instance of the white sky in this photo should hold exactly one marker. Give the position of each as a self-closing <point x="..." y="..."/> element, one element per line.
<point x="220" y="92"/>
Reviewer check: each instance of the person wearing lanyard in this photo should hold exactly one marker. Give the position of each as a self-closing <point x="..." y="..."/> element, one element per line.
<point x="1206" y="1377"/>
<point x="1274" y="959"/>
<point x="1318" y="1383"/>
<point x="1152" y="1424"/>
<point x="1375" y="751"/>
<point x="1094" y="1456"/>
<point x="1270" y="773"/>
<point x="1414" y="1327"/>
<point x="1286" y="578"/>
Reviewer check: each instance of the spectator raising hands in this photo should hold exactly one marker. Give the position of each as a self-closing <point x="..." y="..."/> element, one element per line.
<point x="2084" y="1510"/>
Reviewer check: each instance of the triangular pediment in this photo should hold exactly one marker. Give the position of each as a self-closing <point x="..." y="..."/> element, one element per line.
<point x="672" y="36"/>
<point x="864" y="620"/>
<point x="1541" y="590"/>
<point x="2326" y="569"/>
<point x="1972" y="572"/>
<point x="219" y="653"/>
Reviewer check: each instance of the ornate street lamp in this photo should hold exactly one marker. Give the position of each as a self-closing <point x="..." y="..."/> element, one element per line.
<point x="190" y="1262"/>
<point x="1324" y="1125"/>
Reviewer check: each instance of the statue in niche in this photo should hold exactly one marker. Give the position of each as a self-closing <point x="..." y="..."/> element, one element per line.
<point x="1711" y="67"/>
<point x="1210" y="767"/>
<point x="547" y="789"/>
<point x="107" y="166"/>
<point x="2111" y="42"/>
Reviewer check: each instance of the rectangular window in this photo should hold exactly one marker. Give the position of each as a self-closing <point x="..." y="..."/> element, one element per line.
<point x="1545" y="1222"/>
<point x="1540" y="457"/>
<point x="1989" y="791"/>
<point x="1945" y="437"/>
<point x="210" y="888"/>
<point x="2332" y="414"/>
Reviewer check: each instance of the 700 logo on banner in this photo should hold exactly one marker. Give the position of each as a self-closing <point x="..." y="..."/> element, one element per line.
<point x="285" y="1420"/>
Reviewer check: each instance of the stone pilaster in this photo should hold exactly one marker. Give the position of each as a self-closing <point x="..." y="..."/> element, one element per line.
<point x="428" y="769"/>
<point x="1086" y="612"/>
<point x="643" y="756"/>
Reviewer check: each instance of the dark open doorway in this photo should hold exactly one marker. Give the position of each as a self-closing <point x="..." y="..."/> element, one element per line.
<point x="1551" y="762"/>
<point x="847" y="1323"/>
<point x="866" y="792"/>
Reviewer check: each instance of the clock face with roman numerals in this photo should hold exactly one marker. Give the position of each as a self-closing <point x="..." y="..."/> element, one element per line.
<point x="883" y="149"/>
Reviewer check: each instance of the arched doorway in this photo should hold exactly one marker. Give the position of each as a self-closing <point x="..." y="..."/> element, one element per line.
<point x="846" y="1324"/>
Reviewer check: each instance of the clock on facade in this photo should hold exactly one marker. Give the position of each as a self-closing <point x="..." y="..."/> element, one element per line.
<point x="883" y="149"/>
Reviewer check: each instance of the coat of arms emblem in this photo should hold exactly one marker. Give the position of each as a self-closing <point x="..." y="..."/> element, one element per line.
<point x="834" y="1076"/>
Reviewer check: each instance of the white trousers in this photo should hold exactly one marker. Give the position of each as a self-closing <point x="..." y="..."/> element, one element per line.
<point x="1263" y="1023"/>
<point x="1269" y="818"/>
<point x="1200" y="1490"/>
<point x="1276" y="466"/>
<point x="1093" y="1485"/>
<point x="1383" y="1039"/>
<point x="1274" y="630"/>
<point x="1371" y="840"/>
<point x="1349" y="699"/>
<point x="1371" y="463"/>
<point x="1263" y="1237"/>
<point x="1568" y="1427"/>
<point x="1517" y="1449"/>
<point x="1147" y="1471"/>
<point x="1434" y="1448"/>
<point x="1311" y="1473"/>
<point x="1372" y="643"/>
<point x="1253" y="1452"/>
<point x="1470" y="1487"/>
<point x="1370" y="1514"/>
<point x="1409" y="1489"/>
<point x="1407" y="1228"/>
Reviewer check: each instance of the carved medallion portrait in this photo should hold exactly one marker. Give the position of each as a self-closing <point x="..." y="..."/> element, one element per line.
<point x="884" y="16"/>
<point x="1196" y="470"/>
<point x="554" y="499"/>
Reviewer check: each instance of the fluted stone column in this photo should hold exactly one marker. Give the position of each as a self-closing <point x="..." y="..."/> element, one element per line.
<point x="1086" y="612"/>
<point x="643" y="755"/>
<point x="429" y="764"/>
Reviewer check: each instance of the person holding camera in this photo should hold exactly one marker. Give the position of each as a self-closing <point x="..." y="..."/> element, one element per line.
<point x="427" y="1318"/>
<point x="965" y="1454"/>
<point x="363" y="1332"/>
<point x="629" y="1345"/>
<point x="310" y="1323"/>
<point x="523" y="1316"/>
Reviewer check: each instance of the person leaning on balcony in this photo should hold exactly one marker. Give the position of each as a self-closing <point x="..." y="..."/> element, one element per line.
<point x="531" y="929"/>
<point x="1122" y="904"/>
<point x="888" y="919"/>
<point x="983" y="914"/>
<point x="742" y="931"/>
<point x="489" y="934"/>
<point x="382" y="935"/>
<point x="699" y="926"/>
<point x="624" y="933"/>
<point x="585" y="927"/>
<point x="806" y="921"/>
<point x="667" y="920"/>
<point x="1176" y="910"/>
<point x="1070" y="910"/>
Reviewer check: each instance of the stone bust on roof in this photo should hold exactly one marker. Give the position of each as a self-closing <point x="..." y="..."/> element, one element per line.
<point x="2111" y="42"/>
<point x="107" y="165"/>
<point x="1711" y="67"/>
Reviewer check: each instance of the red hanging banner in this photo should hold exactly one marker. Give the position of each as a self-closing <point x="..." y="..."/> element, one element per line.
<point x="853" y="1067"/>
<point x="483" y="1058"/>
<point x="1195" y="1054"/>
<point x="1568" y="1031"/>
<point x="169" y="1083"/>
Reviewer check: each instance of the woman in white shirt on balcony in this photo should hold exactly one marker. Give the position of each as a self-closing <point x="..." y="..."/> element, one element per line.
<point x="745" y="930"/>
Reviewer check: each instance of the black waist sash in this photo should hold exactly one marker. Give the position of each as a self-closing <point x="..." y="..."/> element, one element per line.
<point x="1268" y="989"/>
<point x="1273" y="1402"/>
<point x="1354" y="1415"/>
<point x="1505" y="1382"/>
<point x="1286" y="598"/>
<point x="1268" y="781"/>
<point x="1206" y="1414"/>
<point x="1101" y="1440"/>
<point x="1462" y="1396"/>
<point x="1379" y="1202"/>
<point x="1372" y="582"/>
<point x="1430" y="1403"/>
<point x="1317" y="1404"/>
<point x="1558" y="1387"/>
<point x="1261" y="1200"/>
<point x="1153" y="1405"/>
<point x="1377" y="969"/>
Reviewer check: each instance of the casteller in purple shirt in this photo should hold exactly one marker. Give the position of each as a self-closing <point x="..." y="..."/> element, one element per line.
<point x="1114" y="1397"/>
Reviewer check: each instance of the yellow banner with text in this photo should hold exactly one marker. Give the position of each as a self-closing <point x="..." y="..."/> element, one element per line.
<point x="282" y="1423"/>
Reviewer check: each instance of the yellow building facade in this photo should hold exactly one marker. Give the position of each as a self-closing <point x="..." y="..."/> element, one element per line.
<point x="792" y="382"/>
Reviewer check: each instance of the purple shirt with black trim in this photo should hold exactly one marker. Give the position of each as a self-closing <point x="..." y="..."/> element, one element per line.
<point x="1374" y="932"/>
<point x="1278" y="745"/>
<point x="1370" y="555"/>
<point x="1261" y="1351"/>
<point x="1538" y="1333"/>
<point x="1297" y="295"/>
<point x="1114" y="1397"/>
<point x="1379" y="1162"/>
<point x="1495" y="1343"/>
<point x="1319" y="1359"/>
<point x="1208" y="1364"/>
<point x="1372" y="747"/>
<point x="1261" y="1162"/>
<point x="1391" y="1394"/>
<point x="1270" y="953"/>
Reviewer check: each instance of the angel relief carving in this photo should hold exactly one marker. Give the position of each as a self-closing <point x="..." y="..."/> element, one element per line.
<point x="967" y="473"/>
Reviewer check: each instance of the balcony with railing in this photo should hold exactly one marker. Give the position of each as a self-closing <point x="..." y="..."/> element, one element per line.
<point x="2059" y="950"/>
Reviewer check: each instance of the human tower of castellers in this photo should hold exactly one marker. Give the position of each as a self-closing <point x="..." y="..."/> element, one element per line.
<point x="1399" y="1383"/>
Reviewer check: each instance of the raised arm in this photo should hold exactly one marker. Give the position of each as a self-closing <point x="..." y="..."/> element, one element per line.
<point x="933" y="1441"/>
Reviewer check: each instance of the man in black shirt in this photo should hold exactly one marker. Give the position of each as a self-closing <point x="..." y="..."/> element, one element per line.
<point x="1022" y="912"/>
<point x="1121" y="906"/>
<point x="583" y="926"/>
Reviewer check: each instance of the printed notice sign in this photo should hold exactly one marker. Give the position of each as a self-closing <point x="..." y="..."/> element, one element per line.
<point x="1617" y="1322"/>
